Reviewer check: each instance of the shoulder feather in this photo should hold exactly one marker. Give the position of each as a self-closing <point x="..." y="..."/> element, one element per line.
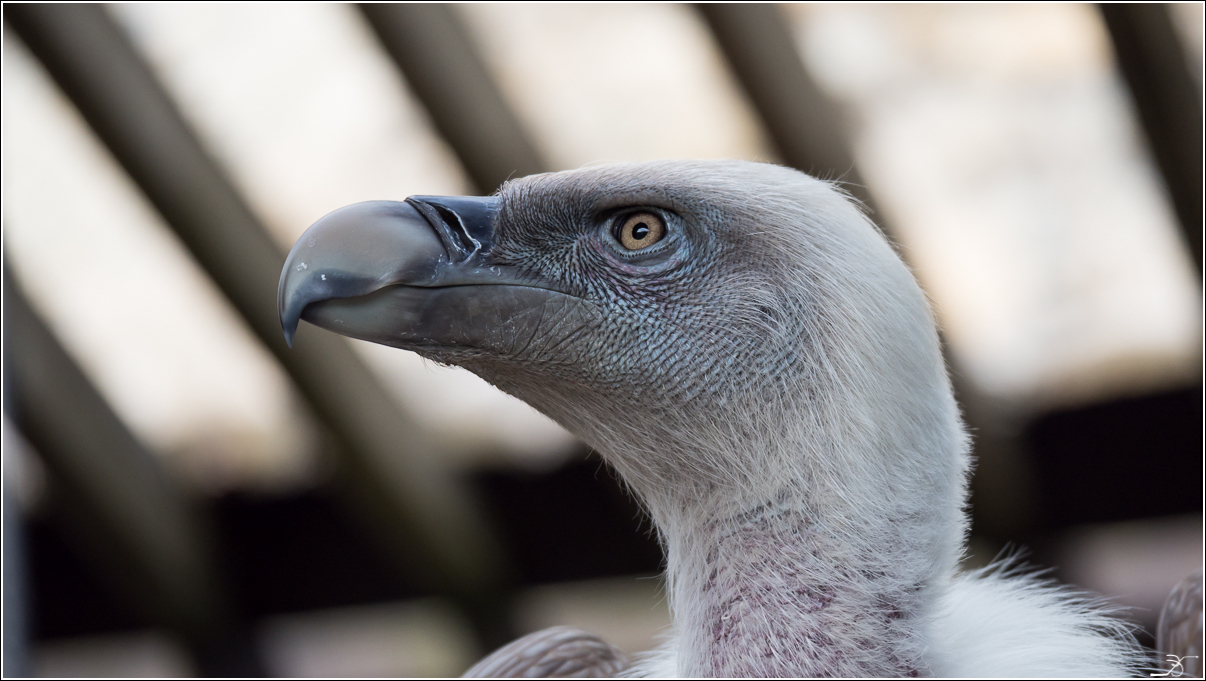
<point x="556" y="652"/>
<point x="998" y="622"/>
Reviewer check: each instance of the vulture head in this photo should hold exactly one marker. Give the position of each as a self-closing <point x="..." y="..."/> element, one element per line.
<point x="740" y="343"/>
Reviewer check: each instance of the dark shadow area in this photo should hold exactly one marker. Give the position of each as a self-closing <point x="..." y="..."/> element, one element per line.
<point x="301" y="552"/>
<point x="576" y="522"/>
<point x="294" y="553"/>
<point x="1121" y="460"/>
<point x="68" y="596"/>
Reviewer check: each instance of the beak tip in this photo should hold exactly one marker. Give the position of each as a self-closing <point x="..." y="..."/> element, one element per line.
<point x="289" y="316"/>
<point x="289" y="327"/>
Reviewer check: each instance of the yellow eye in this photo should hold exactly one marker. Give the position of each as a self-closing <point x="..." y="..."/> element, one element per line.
<point x="641" y="230"/>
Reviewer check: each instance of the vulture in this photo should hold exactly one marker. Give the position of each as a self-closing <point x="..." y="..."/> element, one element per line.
<point x="745" y="348"/>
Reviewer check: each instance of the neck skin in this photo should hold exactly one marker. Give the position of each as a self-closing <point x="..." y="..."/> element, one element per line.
<point x="807" y="527"/>
<point x="777" y="592"/>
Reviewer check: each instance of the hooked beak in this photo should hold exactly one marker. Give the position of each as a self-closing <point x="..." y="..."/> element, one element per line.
<point x="408" y="274"/>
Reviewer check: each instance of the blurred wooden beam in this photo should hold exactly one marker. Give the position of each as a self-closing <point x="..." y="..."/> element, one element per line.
<point x="14" y="659"/>
<point x="1153" y="60"/>
<point x="801" y="120"/>
<point x="420" y="514"/>
<point x="433" y="49"/>
<point x="125" y="510"/>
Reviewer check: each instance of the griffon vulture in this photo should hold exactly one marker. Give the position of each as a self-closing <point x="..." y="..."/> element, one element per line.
<point x="744" y="347"/>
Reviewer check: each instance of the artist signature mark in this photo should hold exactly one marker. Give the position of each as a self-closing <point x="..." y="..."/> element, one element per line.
<point x="1176" y="669"/>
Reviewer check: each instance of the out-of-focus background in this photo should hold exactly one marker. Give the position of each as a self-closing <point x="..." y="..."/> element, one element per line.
<point x="184" y="496"/>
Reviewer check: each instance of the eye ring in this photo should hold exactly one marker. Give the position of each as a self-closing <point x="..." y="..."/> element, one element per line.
<point x="640" y="230"/>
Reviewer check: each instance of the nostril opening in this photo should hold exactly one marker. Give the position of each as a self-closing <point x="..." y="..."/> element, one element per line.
<point x="455" y="226"/>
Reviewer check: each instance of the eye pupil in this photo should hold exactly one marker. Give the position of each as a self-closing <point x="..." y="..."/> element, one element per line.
<point x="641" y="230"/>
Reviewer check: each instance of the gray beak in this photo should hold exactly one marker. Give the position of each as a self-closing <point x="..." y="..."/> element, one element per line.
<point x="408" y="274"/>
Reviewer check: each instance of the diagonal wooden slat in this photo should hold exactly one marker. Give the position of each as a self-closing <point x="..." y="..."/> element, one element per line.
<point x="800" y="119"/>
<point x="1152" y="59"/>
<point x="145" y="530"/>
<point x="14" y="656"/>
<point x="433" y="49"/>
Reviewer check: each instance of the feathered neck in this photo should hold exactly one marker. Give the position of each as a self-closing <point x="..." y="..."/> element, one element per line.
<point x="784" y="591"/>
<point x="812" y="541"/>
